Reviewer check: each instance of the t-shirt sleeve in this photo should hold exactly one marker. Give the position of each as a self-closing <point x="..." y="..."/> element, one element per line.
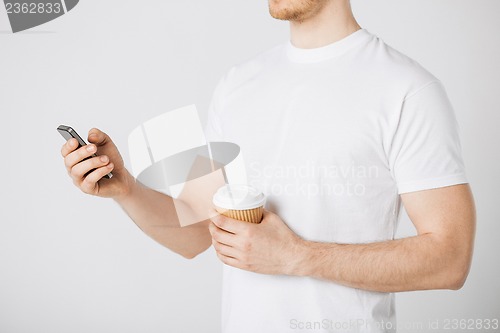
<point x="213" y="130"/>
<point x="425" y="152"/>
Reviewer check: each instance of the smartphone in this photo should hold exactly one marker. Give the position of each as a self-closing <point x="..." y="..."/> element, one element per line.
<point x="68" y="133"/>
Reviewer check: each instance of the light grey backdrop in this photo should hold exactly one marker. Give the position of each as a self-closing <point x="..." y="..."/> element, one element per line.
<point x="74" y="263"/>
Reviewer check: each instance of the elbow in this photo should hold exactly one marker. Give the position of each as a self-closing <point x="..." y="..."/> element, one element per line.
<point x="452" y="269"/>
<point x="457" y="278"/>
<point x="457" y="273"/>
<point x="189" y="255"/>
<point x="192" y="253"/>
<point x="457" y="266"/>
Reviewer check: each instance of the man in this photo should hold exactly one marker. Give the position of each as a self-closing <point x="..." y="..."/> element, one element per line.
<point x="339" y="129"/>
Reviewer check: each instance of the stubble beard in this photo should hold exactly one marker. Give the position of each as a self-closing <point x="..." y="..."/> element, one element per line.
<point x="294" y="10"/>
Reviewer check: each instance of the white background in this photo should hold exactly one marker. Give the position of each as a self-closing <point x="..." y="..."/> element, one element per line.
<point x="74" y="263"/>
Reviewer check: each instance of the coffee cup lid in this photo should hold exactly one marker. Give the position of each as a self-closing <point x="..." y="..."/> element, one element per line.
<point x="238" y="197"/>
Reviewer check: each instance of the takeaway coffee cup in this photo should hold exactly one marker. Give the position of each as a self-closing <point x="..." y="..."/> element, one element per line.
<point x="240" y="202"/>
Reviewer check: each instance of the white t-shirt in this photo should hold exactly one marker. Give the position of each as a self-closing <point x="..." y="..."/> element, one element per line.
<point x="332" y="135"/>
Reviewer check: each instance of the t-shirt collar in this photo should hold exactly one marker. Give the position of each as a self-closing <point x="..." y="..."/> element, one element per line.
<point x="332" y="50"/>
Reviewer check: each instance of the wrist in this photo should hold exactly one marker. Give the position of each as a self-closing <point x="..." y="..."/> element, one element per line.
<point x="301" y="256"/>
<point x="128" y="189"/>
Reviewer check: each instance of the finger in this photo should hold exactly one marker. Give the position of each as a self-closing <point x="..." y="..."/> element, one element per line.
<point x="79" y="155"/>
<point x="69" y="146"/>
<point x="222" y="236"/>
<point x="225" y="249"/>
<point x="82" y="168"/>
<point x="89" y="184"/>
<point x="98" y="137"/>
<point x="228" y="260"/>
<point x="229" y="224"/>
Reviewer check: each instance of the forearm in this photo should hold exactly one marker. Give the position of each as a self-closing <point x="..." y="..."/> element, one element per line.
<point x="155" y="214"/>
<point x="414" y="263"/>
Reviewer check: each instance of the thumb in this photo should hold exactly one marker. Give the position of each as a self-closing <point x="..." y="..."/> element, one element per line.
<point x="98" y="137"/>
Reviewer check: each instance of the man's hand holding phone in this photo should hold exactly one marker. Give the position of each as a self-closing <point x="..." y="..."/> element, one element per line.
<point x="152" y="211"/>
<point x="88" y="173"/>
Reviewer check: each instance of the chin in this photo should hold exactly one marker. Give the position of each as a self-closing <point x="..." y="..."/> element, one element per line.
<point x="292" y="10"/>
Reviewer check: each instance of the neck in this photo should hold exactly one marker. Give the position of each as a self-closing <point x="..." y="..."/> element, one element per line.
<point x="329" y="24"/>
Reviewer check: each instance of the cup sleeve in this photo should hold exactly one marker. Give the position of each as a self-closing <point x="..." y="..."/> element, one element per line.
<point x="425" y="152"/>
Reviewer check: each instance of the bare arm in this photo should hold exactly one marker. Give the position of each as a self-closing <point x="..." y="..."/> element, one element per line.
<point x="438" y="257"/>
<point x="155" y="214"/>
<point x="152" y="211"/>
